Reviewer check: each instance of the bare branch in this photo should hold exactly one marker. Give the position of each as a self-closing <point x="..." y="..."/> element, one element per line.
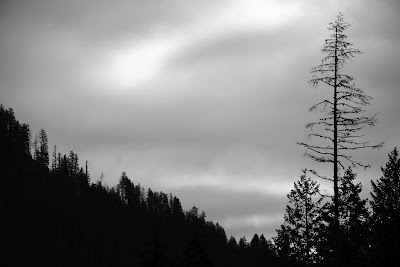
<point x="321" y="136"/>
<point x="324" y="102"/>
<point x="320" y="176"/>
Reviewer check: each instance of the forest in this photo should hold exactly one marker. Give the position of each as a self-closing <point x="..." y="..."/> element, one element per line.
<point x="55" y="214"/>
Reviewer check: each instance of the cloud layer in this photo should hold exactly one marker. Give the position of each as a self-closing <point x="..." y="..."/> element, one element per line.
<point x="205" y="99"/>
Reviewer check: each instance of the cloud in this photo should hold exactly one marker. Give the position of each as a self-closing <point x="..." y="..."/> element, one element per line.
<point x="201" y="98"/>
<point x="257" y="221"/>
<point x="236" y="210"/>
<point x="261" y="224"/>
<point x="141" y="59"/>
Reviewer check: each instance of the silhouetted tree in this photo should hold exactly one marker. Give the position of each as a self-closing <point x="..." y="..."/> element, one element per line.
<point x="232" y="244"/>
<point x="193" y="214"/>
<point x="255" y="242"/>
<point x="43" y="157"/>
<point x="297" y="239"/>
<point x="344" y="113"/>
<point x="40" y="148"/>
<point x="265" y="244"/>
<point x="87" y="171"/>
<point x="385" y="204"/>
<point x="54" y="163"/>
<point x="150" y="200"/>
<point x="354" y="218"/>
<point x="35" y="147"/>
<point x="73" y="164"/>
<point x="243" y="243"/>
<point x="24" y="138"/>
<point x="177" y="207"/>
<point x="124" y="187"/>
<point x="13" y="134"/>
<point x="63" y="165"/>
<point x="283" y="244"/>
<point x="353" y="223"/>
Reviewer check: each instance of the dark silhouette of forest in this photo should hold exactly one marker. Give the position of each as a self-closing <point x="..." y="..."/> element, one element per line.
<point x="53" y="215"/>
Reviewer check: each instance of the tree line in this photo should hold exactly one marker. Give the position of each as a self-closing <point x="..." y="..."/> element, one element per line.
<point x="368" y="229"/>
<point x="55" y="215"/>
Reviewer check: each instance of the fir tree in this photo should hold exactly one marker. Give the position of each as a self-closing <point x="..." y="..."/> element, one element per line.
<point x="386" y="211"/>
<point x="297" y="238"/>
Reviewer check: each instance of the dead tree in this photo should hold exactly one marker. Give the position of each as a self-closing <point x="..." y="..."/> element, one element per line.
<point x="338" y="131"/>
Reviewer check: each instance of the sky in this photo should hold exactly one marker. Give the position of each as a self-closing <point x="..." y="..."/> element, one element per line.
<point x="202" y="99"/>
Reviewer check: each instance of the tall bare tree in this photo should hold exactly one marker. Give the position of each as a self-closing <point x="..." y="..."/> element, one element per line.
<point x="344" y="113"/>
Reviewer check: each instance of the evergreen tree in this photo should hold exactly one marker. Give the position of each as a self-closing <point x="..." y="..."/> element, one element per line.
<point x="63" y="162"/>
<point x="124" y="187"/>
<point x="54" y="163"/>
<point x="177" y="207"/>
<point x="13" y="134"/>
<point x="41" y="150"/>
<point x="73" y="164"/>
<point x="35" y="147"/>
<point x="243" y="243"/>
<point x="232" y="244"/>
<point x="87" y="172"/>
<point x="255" y="242"/>
<point x="25" y="137"/>
<point x="283" y="244"/>
<point x="353" y="218"/>
<point x="353" y="223"/>
<point x="297" y="239"/>
<point x="264" y="244"/>
<point x="385" y="205"/>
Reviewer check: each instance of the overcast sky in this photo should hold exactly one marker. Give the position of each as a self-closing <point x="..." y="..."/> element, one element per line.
<point x="203" y="99"/>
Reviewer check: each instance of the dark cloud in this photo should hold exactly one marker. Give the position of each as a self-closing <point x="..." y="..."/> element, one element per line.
<point x="100" y="21"/>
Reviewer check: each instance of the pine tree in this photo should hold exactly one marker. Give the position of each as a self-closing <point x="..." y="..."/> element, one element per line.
<point x="87" y="171"/>
<point x="255" y="242"/>
<point x="54" y="163"/>
<point x="124" y="187"/>
<point x="41" y="149"/>
<point x="73" y="164"/>
<point x="353" y="218"/>
<point x="298" y="236"/>
<point x="264" y="244"/>
<point x="232" y="244"/>
<point x="177" y="207"/>
<point x="25" y="137"/>
<point x="385" y="204"/>
<point x="35" y="147"/>
<point x="353" y="223"/>
<point x="243" y="243"/>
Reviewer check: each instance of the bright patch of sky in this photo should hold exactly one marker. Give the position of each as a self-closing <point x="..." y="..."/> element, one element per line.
<point x="256" y="220"/>
<point x="143" y="59"/>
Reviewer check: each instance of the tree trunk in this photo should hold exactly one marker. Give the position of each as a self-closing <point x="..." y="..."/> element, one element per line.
<point x="335" y="163"/>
